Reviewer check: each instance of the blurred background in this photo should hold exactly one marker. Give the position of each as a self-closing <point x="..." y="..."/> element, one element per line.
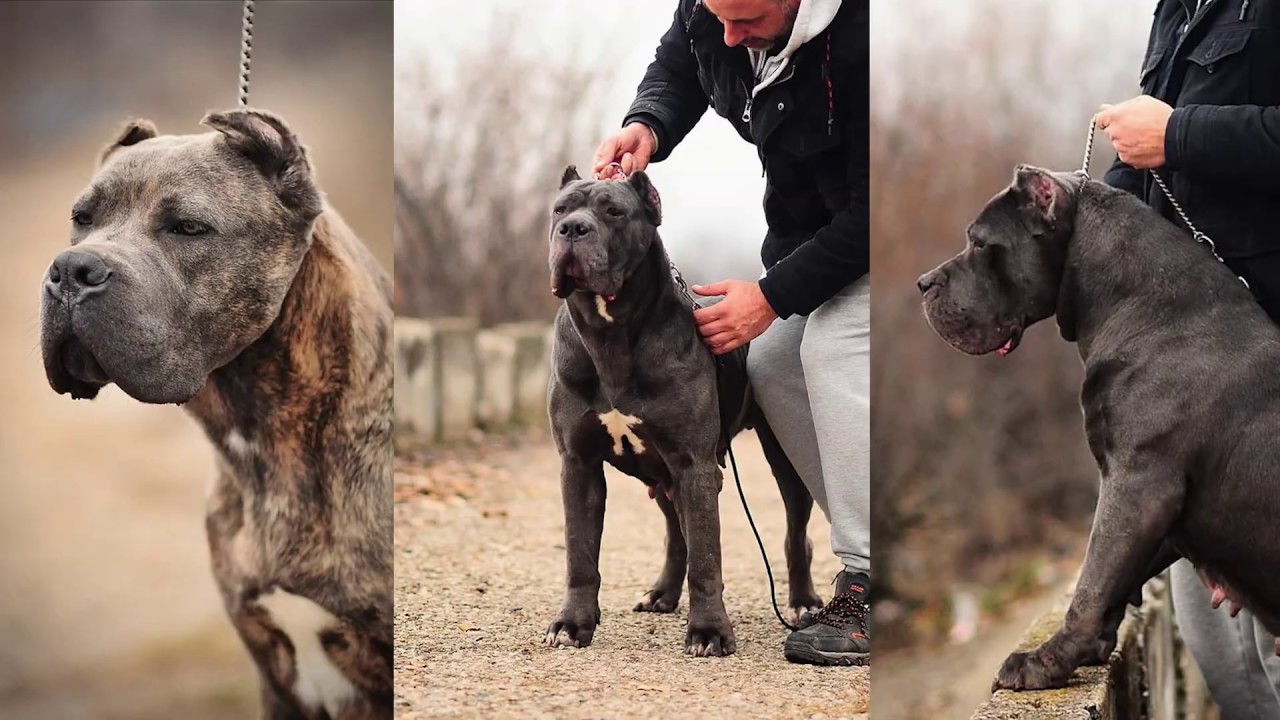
<point x="982" y="484"/>
<point x="542" y="84"/>
<point x="107" y="606"/>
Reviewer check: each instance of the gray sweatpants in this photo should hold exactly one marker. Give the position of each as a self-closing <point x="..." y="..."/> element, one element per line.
<point x="812" y="377"/>
<point x="1236" y="655"/>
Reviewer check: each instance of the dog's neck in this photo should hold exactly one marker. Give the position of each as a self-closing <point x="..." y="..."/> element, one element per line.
<point x="634" y="305"/>
<point x="648" y="297"/>
<point x="1110" y="223"/>
<point x="274" y="408"/>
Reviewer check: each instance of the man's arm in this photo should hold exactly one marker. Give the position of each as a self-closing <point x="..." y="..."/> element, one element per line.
<point x="670" y="99"/>
<point x="839" y="253"/>
<point x="1232" y="142"/>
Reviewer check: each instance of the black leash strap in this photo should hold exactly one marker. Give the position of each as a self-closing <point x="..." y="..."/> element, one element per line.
<point x="737" y="480"/>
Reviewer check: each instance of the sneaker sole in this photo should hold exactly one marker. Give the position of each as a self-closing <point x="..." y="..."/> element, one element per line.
<point x="809" y="656"/>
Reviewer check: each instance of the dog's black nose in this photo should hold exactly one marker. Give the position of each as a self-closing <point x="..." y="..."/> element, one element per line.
<point x="574" y="229"/>
<point x="933" y="278"/>
<point x="77" y="272"/>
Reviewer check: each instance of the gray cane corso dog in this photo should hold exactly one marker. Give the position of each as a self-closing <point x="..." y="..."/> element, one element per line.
<point x="1181" y="394"/>
<point x="633" y="385"/>
<point x="207" y="271"/>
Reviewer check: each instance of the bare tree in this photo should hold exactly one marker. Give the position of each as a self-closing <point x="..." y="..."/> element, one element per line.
<point x="479" y="154"/>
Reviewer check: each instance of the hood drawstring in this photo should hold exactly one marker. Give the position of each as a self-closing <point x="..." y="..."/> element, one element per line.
<point x="831" y="95"/>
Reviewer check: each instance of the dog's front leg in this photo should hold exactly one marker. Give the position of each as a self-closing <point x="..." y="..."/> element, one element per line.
<point x="709" y="632"/>
<point x="1135" y="512"/>
<point x="1164" y="557"/>
<point x="583" y="488"/>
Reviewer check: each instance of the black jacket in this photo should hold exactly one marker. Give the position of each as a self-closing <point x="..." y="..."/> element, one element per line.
<point x="1220" y="70"/>
<point x="811" y="138"/>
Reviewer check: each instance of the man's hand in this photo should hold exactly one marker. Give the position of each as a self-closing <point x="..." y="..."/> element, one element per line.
<point x="631" y="148"/>
<point x="738" y="319"/>
<point x="1136" y="129"/>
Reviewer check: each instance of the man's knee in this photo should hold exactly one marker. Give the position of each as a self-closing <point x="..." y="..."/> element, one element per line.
<point x="770" y="358"/>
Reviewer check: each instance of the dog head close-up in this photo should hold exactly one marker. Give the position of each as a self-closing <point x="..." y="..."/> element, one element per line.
<point x="1008" y="275"/>
<point x="183" y="248"/>
<point x="601" y="230"/>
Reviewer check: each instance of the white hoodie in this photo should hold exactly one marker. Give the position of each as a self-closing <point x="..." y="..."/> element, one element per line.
<point x="812" y="19"/>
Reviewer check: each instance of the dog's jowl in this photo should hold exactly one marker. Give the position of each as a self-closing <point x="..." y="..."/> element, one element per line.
<point x="633" y="386"/>
<point x="207" y="271"/>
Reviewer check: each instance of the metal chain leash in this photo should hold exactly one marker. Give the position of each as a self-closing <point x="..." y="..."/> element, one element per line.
<point x="1197" y="235"/>
<point x="246" y="51"/>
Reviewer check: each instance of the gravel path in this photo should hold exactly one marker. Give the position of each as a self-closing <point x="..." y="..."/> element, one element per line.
<point x="480" y="573"/>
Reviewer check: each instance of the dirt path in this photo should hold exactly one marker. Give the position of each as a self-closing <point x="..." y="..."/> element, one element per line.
<point x="479" y="577"/>
<point x="950" y="682"/>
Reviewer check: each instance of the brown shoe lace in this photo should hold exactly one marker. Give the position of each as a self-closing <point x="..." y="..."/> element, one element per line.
<point x="844" y="608"/>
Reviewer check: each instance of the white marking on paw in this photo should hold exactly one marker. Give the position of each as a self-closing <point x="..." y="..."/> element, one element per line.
<point x="238" y="445"/>
<point x="319" y="683"/>
<point x="603" y="308"/>
<point x="619" y="427"/>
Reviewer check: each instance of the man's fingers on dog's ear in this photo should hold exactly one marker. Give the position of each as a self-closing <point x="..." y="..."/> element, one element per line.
<point x="628" y="163"/>
<point x="607" y="152"/>
<point x="712" y="290"/>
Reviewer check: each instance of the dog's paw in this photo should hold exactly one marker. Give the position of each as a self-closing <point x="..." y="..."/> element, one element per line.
<point x="658" y="601"/>
<point x="572" y="628"/>
<point x="1106" y="644"/>
<point x="801" y="607"/>
<point x="712" y="637"/>
<point x="1029" y="671"/>
<point x="801" y="615"/>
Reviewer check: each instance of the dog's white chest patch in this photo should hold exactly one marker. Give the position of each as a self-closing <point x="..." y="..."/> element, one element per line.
<point x="602" y="307"/>
<point x="319" y="683"/>
<point x="619" y="426"/>
<point x="239" y="446"/>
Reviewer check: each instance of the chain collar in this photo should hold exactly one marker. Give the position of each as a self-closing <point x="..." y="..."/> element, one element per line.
<point x="1197" y="235"/>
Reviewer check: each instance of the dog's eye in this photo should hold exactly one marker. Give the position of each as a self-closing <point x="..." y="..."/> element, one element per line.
<point x="978" y="243"/>
<point x="82" y="219"/>
<point x="613" y="212"/>
<point x="559" y="210"/>
<point x="190" y="227"/>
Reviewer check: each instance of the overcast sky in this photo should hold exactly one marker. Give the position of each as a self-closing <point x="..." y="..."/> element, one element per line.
<point x="712" y="186"/>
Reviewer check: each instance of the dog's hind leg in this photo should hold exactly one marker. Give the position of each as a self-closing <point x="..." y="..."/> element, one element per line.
<point x="802" y="597"/>
<point x="664" y="596"/>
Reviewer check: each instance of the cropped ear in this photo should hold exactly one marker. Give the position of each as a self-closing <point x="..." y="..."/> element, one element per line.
<point x="648" y="196"/>
<point x="267" y="142"/>
<point x="570" y="175"/>
<point x="1042" y="195"/>
<point x="135" y="131"/>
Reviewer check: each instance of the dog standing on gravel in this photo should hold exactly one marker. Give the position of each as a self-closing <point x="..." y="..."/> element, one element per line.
<point x="1181" y="395"/>
<point x="632" y="385"/>
<point x="207" y="271"/>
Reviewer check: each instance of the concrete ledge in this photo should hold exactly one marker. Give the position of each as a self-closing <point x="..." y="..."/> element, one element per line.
<point x="1149" y="676"/>
<point x="415" y="389"/>
<point x="451" y="377"/>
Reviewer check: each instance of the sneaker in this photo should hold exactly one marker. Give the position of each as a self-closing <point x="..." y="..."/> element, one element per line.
<point x="839" y="634"/>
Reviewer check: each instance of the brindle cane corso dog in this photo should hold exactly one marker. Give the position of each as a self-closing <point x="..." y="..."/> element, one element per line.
<point x="1181" y="394"/>
<point x="207" y="271"/>
<point x="633" y="385"/>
